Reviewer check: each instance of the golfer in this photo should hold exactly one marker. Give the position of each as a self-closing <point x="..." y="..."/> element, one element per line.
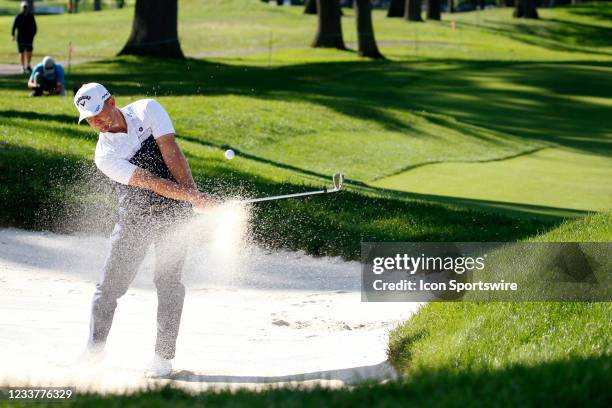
<point x="137" y="151"/>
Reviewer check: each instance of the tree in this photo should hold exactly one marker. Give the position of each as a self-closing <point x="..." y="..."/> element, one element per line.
<point x="154" y="30"/>
<point x="329" y="30"/>
<point x="73" y="6"/>
<point x="412" y="10"/>
<point x="97" y="5"/>
<point x="396" y="8"/>
<point x="526" y="9"/>
<point x="310" y="7"/>
<point x="451" y="6"/>
<point x="365" y="31"/>
<point x="433" y="9"/>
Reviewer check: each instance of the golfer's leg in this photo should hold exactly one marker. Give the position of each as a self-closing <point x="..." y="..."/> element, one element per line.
<point x="128" y="248"/>
<point x="169" y="260"/>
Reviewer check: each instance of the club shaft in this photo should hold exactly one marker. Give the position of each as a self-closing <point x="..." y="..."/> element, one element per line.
<point x="280" y="197"/>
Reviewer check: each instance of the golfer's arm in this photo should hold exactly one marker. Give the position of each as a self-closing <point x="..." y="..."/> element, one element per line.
<point x="175" y="160"/>
<point x="147" y="180"/>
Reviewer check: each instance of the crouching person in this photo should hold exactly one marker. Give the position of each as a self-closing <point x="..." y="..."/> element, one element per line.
<point x="47" y="77"/>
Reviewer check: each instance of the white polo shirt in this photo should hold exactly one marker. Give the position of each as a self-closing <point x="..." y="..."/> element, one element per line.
<point x="145" y="118"/>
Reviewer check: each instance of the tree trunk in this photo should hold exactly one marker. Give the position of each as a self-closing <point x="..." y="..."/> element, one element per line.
<point x="365" y="31"/>
<point x="73" y="6"/>
<point x="329" y="31"/>
<point x="412" y="11"/>
<point x="97" y="5"/>
<point x="433" y="9"/>
<point x="451" y="6"/>
<point x="154" y="30"/>
<point x="310" y="7"/>
<point x="481" y="4"/>
<point x="526" y="9"/>
<point x="120" y="3"/>
<point x="509" y="3"/>
<point x="396" y="8"/>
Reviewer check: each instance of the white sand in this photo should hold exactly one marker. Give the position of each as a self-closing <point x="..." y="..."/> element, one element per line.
<point x="256" y="319"/>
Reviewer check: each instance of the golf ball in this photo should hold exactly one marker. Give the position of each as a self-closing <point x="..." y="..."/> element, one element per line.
<point x="229" y="154"/>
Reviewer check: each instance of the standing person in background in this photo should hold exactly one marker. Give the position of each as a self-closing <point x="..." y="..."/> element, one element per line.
<point x="25" y="25"/>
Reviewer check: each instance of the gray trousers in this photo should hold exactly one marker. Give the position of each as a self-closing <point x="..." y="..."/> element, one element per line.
<point x="129" y="243"/>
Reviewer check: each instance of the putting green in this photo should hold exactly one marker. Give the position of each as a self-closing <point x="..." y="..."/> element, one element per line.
<point x="550" y="179"/>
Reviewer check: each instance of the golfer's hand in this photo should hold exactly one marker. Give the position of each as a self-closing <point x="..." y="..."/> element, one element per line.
<point x="203" y="201"/>
<point x="13" y="39"/>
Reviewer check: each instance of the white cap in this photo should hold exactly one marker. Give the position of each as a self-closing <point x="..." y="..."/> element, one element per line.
<point x="48" y="64"/>
<point x="89" y="100"/>
<point x="24" y="4"/>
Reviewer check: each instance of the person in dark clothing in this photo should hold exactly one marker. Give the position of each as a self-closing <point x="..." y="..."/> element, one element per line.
<point x="25" y="25"/>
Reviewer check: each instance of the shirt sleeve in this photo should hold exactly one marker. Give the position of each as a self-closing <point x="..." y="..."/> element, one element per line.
<point x="119" y="170"/>
<point x="37" y="69"/>
<point x="14" y="26"/>
<point x="160" y="121"/>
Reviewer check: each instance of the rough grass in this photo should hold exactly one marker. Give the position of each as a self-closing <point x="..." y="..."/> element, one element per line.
<point x="483" y="339"/>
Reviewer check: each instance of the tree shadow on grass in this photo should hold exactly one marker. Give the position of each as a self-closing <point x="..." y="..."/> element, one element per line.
<point x="31" y="115"/>
<point x="572" y="382"/>
<point x="351" y="375"/>
<point x="575" y="381"/>
<point x="535" y="100"/>
<point x="366" y="90"/>
<point x="599" y="11"/>
<point x="553" y="34"/>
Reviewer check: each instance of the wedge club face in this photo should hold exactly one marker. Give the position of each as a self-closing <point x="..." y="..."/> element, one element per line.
<point x="338" y="179"/>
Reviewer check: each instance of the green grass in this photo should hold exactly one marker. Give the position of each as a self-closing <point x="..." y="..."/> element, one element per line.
<point x="495" y="339"/>
<point x="493" y="89"/>
<point x="220" y="26"/>
<point x="572" y="180"/>
<point x="312" y="112"/>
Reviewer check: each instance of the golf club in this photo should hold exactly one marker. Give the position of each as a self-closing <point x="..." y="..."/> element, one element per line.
<point x="337" y="179"/>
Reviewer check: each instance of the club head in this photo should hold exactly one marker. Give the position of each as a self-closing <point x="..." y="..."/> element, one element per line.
<point x="338" y="179"/>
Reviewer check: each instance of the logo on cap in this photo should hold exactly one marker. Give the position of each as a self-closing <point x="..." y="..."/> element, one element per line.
<point x="81" y="100"/>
